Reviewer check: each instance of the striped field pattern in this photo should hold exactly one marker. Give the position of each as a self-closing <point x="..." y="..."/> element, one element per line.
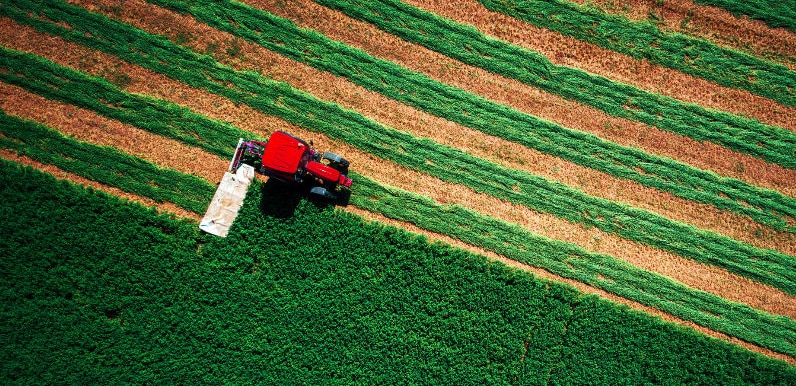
<point x="651" y="165"/>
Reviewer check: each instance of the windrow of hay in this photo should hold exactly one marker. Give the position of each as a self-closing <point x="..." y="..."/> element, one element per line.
<point x="703" y="155"/>
<point x="391" y="113"/>
<point x="162" y="207"/>
<point x="568" y="51"/>
<point x="711" y="23"/>
<point x="702" y="277"/>
<point x="88" y="126"/>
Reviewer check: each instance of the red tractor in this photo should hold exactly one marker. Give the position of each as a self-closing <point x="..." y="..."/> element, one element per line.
<point x="291" y="160"/>
<point x="283" y="157"/>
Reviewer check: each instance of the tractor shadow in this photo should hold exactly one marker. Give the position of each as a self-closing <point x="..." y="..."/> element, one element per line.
<point x="280" y="200"/>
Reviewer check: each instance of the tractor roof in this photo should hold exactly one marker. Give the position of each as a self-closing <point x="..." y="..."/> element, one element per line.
<point x="283" y="152"/>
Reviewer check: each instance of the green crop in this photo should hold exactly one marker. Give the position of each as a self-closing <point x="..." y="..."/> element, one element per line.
<point x="775" y="13"/>
<point x="452" y="165"/>
<point x="470" y="46"/>
<point x="643" y="39"/>
<point x="570" y="261"/>
<point x="557" y="257"/>
<point x="764" y="206"/>
<point x="104" y="164"/>
<point x="120" y="294"/>
<point x="48" y="146"/>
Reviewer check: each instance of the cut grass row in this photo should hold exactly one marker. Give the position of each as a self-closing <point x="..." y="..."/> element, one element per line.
<point x="775" y="13"/>
<point x="82" y="90"/>
<point x="143" y="298"/>
<point x="470" y="46"/>
<point x="643" y="39"/>
<point x="763" y="205"/>
<point x="452" y="165"/>
<point x="708" y="22"/>
<point x="104" y="164"/>
<point x="566" y="260"/>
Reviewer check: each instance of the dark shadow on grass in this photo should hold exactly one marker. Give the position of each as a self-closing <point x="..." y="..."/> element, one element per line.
<point x="280" y="199"/>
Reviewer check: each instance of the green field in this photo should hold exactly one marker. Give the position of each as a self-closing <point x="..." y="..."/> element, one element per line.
<point x="102" y="290"/>
<point x="136" y="297"/>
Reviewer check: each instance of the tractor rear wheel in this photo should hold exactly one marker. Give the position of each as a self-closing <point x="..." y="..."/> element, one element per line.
<point x="323" y="192"/>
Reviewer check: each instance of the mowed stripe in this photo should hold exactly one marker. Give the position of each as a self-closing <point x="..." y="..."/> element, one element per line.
<point x="162" y="207"/>
<point x="533" y="101"/>
<point x="710" y="23"/>
<point x="300" y="97"/>
<point x="506" y="153"/>
<point x="710" y="279"/>
<point x="469" y="109"/>
<point x="510" y="92"/>
<point x="567" y="51"/>
<point x="88" y="126"/>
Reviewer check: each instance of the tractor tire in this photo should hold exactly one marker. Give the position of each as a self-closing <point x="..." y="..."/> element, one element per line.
<point x="323" y="192"/>
<point x="334" y="158"/>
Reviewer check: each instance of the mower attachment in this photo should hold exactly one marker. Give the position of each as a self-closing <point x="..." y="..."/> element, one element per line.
<point x="227" y="201"/>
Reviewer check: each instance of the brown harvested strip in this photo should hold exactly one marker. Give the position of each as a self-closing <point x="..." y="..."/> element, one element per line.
<point x="710" y="23"/>
<point x="501" y="151"/>
<point x="162" y="207"/>
<point x="706" y="278"/>
<point x="88" y="126"/>
<point x="706" y="156"/>
<point x="432" y="237"/>
<point x="394" y="114"/>
<point x="701" y="155"/>
<point x="567" y="51"/>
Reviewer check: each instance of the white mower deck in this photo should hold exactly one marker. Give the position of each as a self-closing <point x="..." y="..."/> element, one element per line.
<point x="227" y="201"/>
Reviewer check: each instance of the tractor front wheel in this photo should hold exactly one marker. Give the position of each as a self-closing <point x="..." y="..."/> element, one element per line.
<point x="335" y="159"/>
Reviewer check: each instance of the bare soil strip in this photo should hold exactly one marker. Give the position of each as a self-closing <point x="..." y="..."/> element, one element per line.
<point x="553" y="277"/>
<point x="88" y="126"/>
<point x="533" y="101"/>
<point x="710" y="23"/>
<point x="394" y="114"/>
<point x="567" y="51"/>
<point x="706" y="278"/>
<point x="165" y="207"/>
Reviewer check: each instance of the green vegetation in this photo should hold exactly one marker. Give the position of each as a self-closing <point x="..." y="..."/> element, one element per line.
<point x="510" y="240"/>
<point x="63" y="84"/>
<point x="470" y="46"/>
<point x="690" y="55"/>
<point x="452" y="165"/>
<point x="104" y="164"/>
<point x="775" y="13"/>
<point x="570" y="261"/>
<point x="417" y="90"/>
<point x="120" y="294"/>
